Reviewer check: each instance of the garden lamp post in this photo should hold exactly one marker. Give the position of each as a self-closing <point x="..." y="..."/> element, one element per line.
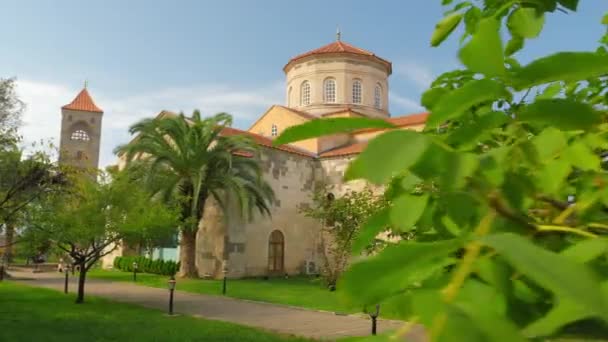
<point x="67" y="274"/>
<point x="171" y="285"/>
<point x="135" y="271"/>
<point x="374" y="316"/>
<point x="225" y="271"/>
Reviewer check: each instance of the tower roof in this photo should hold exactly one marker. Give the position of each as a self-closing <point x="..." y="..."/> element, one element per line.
<point x="83" y="102"/>
<point x="340" y="47"/>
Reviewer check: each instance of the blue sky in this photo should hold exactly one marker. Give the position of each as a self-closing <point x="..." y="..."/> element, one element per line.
<point x="144" y="56"/>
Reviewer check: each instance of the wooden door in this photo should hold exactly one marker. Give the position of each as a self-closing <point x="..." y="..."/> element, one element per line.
<point x="276" y="252"/>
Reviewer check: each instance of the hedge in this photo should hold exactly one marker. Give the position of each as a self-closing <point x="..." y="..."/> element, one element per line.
<point x="146" y="265"/>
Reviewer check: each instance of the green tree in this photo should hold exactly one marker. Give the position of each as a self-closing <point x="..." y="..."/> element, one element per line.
<point x="24" y="180"/>
<point x="506" y="188"/>
<point x="190" y="161"/>
<point x="342" y="218"/>
<point x="11" y="108"/>
<point x="91" y="218"/>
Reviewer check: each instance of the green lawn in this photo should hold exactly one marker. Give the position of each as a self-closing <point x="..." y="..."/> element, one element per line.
<point x="297" y="291"/>
<point x="35" y="314"/>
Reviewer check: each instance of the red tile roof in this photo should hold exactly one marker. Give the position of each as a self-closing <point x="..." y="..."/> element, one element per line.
<point x="261" y="140"/>
<point x="355" y="148"/>
<point x="83" y="102"/>
<point x="340" y="47"/>
<point x="400" y="121"/>
<point x="409" y="120"/>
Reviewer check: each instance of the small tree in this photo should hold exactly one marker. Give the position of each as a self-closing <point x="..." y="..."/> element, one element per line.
<point x="91" y="219"/>
<point x="341" y="218"/>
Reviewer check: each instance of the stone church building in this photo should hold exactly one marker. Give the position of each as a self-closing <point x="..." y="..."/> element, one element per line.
<point x="336" y="80"/>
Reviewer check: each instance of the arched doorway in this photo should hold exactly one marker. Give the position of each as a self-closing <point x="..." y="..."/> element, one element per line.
<point x="276" y="252"/>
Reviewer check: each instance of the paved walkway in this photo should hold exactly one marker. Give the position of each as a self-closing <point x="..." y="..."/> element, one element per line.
<point x="278" y="318"/>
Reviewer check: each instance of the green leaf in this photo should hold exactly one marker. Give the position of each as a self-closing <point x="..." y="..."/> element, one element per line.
<point x="395" y="268"/>
<point x="407" y="209"/>
<point x="567" y="279"/>
<point x="462" y="207"/>
<point x="454" y="104"/>
<point x="550" y="143"/>
<point x="319" y="127"/>
<point x="433" y="164"/>
<point x="564" y="114"/>
<point x="564" y="312"/>
<point x="444" y="27"/>
<point x="526" y="22"/>
<point x="461" y="166"/>
<point x="550" y="91"/>
<point x="494" y="327"/>
<point x="471" y="18"/>
<point x="586" y="250"/>
<point x="376" y="224"/>
<point x="569" y="4"/>
<point x="471" y="134"/>
<point x="432" y="96"/>
<point x="563" y="66"/>
<point x="552" y="176"/>
<point x="605" y="19"/>
<point x="395" y="151"/>
<point x="483" y="53"/>
<point x="515" y="44"/>
<point x="582" y="157"/>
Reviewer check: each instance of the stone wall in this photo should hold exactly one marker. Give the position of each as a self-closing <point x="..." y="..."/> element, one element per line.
<point x="244" y="244"/>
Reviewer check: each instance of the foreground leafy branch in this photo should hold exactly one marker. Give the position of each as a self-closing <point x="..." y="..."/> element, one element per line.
<point x="505" y="189"/>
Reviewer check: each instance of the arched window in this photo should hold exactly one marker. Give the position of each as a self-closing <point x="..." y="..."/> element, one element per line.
<point x="80" y="135"/>
<point x="329" y="90"/>
<point x="276" y="252"/>
<point x="274" y="130"/>
<point x="305" y="93"/>
<point x="357" y="90"/>
<point x="378" y="96"/>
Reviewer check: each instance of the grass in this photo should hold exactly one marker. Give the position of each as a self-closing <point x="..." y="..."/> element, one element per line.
<point x="301" y="291"/>
<point x="35" y="314"/>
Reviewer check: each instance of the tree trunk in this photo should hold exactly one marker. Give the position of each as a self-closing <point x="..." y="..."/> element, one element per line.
<point x="9" y="236"/>
<point x="187" y="255"/>
<point x="82" y="275"/>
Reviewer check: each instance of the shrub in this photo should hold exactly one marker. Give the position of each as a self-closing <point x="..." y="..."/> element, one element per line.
<point x="146" y="265"/>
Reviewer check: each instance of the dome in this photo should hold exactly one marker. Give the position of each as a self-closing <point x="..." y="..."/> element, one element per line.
<point x="338" y="76"/>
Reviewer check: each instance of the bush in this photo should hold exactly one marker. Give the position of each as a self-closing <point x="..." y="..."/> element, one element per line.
<point x="146" y="265"/>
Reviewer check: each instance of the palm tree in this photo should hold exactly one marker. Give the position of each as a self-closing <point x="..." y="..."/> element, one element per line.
<point x="188" y="161"/>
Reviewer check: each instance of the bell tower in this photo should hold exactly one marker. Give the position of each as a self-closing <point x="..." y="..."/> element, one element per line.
<point x="80" y="132"/>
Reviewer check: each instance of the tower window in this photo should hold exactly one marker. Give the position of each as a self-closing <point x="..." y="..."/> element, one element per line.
<point x="80" y="135"/>
<point x="289" y="97"/>
<point x="378" y="96"/>
<point x="357" y="92"/>
<point x="305" y="94"/>
<point x="329" y="93"/>
<point x="274" y="131"/>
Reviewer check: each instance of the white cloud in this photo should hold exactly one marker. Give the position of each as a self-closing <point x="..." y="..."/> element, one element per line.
<point x="422" y="76"/>
<point x="405" y="103"/>
<point x="42" y="118"/>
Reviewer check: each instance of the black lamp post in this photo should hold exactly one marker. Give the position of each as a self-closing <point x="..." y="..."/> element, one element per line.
<point x="171" y="285"/>
<point x="135" y="271"/>
<point x="374" y="316"/>
<point x="67" y="273"/>
<point x="225" y="271"/>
